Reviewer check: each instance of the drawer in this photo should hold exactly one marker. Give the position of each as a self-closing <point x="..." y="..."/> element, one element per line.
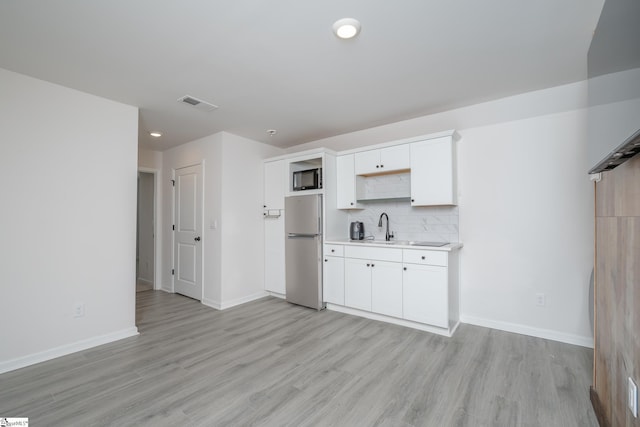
<point x="417" y="256"/>
<point x="333" y="250"/>
<point x="373" y="253"/>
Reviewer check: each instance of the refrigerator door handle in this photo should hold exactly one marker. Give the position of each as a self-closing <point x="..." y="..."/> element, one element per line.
<point x="301" y="236"/>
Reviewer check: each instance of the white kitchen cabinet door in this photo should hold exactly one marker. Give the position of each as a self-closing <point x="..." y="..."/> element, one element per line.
<point x="346" y="182"/>
<point x="433" y="172"/>
<point x="395" y="158"/>
<point x="386" y="288"/>
<point x="275" y="184"/>
<point x="382" y="160"/>
<point x="424" y="294"/>
<point x="274" y="268"/>
<point x="333" y="280"/>
<point x="367" y="162"/>
<point x="357" y="283"/>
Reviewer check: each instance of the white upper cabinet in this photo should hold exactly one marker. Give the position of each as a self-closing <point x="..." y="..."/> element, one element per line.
<point x="383" y="160"/>
<point x="274" y="184"/>
<point x="346" y="182"/>
<point x="433" y="172"/>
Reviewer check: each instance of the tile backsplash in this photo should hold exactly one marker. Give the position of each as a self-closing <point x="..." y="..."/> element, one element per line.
<point x="384" y="186"/>
<point x="430" y="223"/>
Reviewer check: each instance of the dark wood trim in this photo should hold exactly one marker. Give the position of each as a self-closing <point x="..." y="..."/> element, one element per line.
<point x="598" y="408"/>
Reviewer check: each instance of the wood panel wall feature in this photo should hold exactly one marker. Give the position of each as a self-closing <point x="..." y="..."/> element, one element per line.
<point x="617" y="300"/>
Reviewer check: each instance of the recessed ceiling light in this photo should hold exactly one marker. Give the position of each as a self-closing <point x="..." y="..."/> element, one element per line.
<point x="346" y="28"/>
<point x="155" y="134"/>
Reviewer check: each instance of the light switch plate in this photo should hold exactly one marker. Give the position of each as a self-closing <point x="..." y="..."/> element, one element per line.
<point x="633" y="398"/>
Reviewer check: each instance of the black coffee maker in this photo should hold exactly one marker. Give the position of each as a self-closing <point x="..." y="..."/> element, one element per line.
<point x="356" y="231"/>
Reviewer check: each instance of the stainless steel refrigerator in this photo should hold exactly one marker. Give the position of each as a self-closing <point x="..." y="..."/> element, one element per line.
<point x="303" y="250"/>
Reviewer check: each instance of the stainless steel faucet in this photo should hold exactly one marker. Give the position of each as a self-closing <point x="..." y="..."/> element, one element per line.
<point x="387" y="236"/>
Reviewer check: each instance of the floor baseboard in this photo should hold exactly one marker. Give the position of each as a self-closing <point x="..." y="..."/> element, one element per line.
<point x="32" y="359"/>
<point x="530" y="331"/>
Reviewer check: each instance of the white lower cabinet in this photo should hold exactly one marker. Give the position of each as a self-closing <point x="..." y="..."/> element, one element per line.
<point x="409" y="284"/>
<point x="357" y="283"/>
<point x="333" y="280"/>
<point x="374" y="286"/>
<point x="386" y="288"/>
<point x="425" y="294"/>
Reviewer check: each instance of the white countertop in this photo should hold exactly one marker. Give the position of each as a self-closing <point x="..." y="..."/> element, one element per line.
<point x="382" y="244"/>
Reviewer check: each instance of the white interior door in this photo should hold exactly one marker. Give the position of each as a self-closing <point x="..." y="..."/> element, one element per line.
<point x="188" y="232"/>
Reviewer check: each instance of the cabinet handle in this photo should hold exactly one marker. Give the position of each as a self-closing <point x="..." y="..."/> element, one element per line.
<point x="351" y="203"/>
<point x="381" y="166"/>
<point x="325" y="260"/>
<point x="422" y="256"/>
<point x="264" y="206"/>
<point x="373" y="265"/>
<point x="412" y="200"/>
<point x="333" y="250"/>
<point x="368" y="265"/>
<point x="405" y="268"/>
<point x="377" y="166"/>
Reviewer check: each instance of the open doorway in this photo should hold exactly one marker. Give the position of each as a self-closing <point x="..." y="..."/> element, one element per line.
<point x="145" y="235"/>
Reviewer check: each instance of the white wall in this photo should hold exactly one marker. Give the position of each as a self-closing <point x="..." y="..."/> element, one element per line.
<point x="242" y="219"/>
<point x="526" y="220"/>
<point x="525" y="208"/>
<point x="233" y="183"/>
<point x="145" y="224"/>
<point x="531" y="104"/>
<point x="149" y="159"/>
<point x="68" y="220"/>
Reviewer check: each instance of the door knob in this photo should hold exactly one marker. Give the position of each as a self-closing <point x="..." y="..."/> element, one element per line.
<point x="197" y="239"/>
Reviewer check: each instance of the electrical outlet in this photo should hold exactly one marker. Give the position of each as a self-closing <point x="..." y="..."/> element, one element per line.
<point x="633" y="398"/>
<point x="78" y="309"/>
<point x="540" y="300"/>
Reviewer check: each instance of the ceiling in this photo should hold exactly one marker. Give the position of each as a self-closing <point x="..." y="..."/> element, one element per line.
<point x="277" y="65"/>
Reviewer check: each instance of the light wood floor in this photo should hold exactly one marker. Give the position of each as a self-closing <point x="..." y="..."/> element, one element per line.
<point x="143" y="285"/>
<point x="270" y="363"/>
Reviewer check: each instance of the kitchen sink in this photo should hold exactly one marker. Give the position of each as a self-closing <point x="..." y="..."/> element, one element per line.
<point x="404" y="243"/>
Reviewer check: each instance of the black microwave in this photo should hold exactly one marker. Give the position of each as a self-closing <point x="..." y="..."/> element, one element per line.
<point x="309" y="179"/>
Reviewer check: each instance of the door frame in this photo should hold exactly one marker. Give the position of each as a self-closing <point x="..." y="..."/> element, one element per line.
<point x="156" y="228"/>
<point x="173" y="221"/>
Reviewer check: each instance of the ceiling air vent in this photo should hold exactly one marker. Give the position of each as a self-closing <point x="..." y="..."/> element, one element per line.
<point x="197" y="103"/>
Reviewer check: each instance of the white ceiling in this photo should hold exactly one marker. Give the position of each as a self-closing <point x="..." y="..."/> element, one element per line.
<point x="277" y="65"/>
